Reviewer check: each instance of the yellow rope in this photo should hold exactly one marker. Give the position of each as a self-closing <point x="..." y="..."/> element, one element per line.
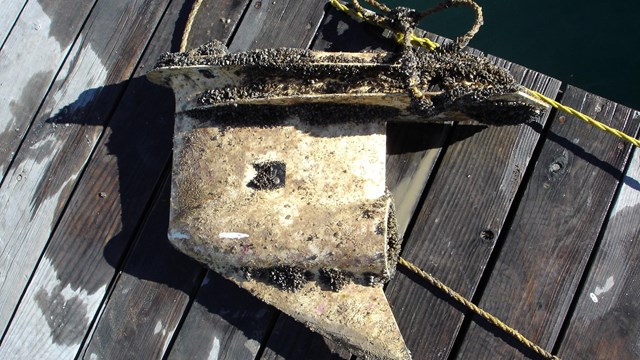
<point x="187" y="27"/>
<point x="475" y="309"/>
<point x="426" y="43"/>
<point x="589" y="120"/>
<point x="340" y="6"/>
<point x="415" y="40"/>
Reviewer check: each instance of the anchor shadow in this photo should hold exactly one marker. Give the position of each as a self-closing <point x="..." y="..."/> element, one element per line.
<point x="139" y="137"/>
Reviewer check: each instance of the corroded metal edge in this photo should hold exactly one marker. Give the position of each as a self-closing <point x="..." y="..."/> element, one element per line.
<point x="424" y="87"/>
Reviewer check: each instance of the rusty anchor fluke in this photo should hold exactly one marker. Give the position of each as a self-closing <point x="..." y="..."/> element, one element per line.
<point x="278" y="179"/>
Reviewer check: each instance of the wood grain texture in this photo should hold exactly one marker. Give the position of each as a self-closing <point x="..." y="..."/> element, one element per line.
<point x="149" y="298"/>
<point x="554" y="229"/>
<point x="30" y="58"/>
<point x="104" y="211"/>
<point x="278" y="24"/>
<point x="9" y="13"/>
<point x="456" y="228"/>
<point x="215" y="20"/>
<point x="138" y="312"/>
<point x="225" y="322"/>
<point x="606" y="321"/>
<point x="292" y="340"/>
<point x="190" y="336"/>
<point x="65" y="133"/>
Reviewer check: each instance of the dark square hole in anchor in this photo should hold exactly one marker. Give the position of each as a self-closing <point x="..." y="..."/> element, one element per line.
<point x="270" y="175"/>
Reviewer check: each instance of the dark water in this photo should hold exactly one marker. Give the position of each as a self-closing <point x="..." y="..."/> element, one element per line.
<point x="593" y="45"/>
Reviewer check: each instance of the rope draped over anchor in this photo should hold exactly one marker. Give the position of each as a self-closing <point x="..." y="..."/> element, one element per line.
<point x="390" y="19"/>
<point x="386" y="21"/>
<point x="404" y="34"/>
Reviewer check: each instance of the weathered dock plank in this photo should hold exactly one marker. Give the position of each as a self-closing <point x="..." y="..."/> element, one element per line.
<point x="150" y="296"/>
<point x="292" y="340"/>
<point x="111" y="196"/>
<point x="30" y="59"/>
<point x="64" y="134"/>
<point x="607" y="307"/>
<point x="224" y="322"/>
<point x="110" y="328"/>
<point x="278" y="24"/>
<point x="9" y="13"/>
<point x="214" y="20"/>
<point x="556" y="224"/>
<point x="460" y="220"/>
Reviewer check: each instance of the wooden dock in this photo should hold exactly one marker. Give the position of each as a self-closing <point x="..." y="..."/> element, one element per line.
<point x="539" y="224"/>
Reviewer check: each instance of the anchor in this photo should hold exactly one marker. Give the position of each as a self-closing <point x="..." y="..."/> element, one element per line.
<point x="278" y="179"/>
